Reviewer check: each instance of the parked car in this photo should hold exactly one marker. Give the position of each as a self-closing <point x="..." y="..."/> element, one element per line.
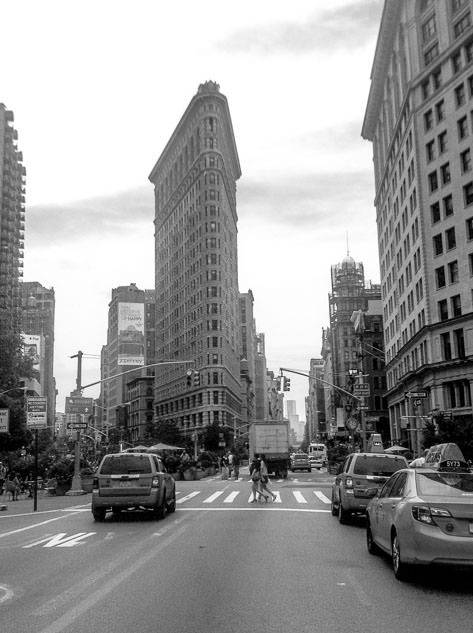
<point x="359" y="479"/>
<point x="424" y="516"/>
<point x="132" y="481"/>
<point x="300" y="461"/>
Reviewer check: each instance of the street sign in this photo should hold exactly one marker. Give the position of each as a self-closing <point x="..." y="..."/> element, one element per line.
<point x="415" y="394"/>
<point x="417" y="402"/>
<point x="36" y="412"/>
<point x="77" y="425"/>
<point x="80" y="405"/>
<point x="361" y="389"/>
<point x="363" y="407"/>
<point x="4" y="420"/>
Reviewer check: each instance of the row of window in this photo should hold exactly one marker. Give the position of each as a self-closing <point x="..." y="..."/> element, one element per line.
<point x="455" y="308"/>
<point x="428" y="30"/>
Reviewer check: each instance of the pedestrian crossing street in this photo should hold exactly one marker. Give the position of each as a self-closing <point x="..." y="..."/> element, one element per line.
<point x="302" y="497"/>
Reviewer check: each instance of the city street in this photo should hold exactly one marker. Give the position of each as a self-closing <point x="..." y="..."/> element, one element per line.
<point x="219" y="564"/>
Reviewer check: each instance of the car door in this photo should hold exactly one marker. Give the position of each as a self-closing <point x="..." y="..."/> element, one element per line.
<point x="391" y="501"/>
<point x="168" y="480"/>
<point x="381" y="502"/>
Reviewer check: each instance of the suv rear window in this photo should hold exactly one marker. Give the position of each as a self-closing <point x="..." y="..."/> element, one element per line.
<point x="126" y="465"/>
<point x="378" y="465"/>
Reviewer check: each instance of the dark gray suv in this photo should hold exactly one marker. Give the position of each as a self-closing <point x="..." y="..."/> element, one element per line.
<point x="132" y="481"/>
<point x="358" y="480"/>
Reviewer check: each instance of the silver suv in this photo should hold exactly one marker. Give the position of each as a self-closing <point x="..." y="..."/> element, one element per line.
<point x="359" y="479"/>
<point x="132" y="481"/>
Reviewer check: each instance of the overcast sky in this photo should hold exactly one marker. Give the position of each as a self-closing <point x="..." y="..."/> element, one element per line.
<point x="97" y="88"/>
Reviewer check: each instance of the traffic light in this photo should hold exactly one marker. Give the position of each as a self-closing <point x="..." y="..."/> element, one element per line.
<point x="287" y="384"/>
<point x="196" y="378"/>
<point x="189" y="377"/>
<point x="278" y="384"/>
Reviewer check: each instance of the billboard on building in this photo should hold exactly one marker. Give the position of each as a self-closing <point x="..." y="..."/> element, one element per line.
<point x="131" y="334"/>
<point x="32" y="349"/>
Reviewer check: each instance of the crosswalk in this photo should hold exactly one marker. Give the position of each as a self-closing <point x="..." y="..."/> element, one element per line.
<point x="303" y="497"/>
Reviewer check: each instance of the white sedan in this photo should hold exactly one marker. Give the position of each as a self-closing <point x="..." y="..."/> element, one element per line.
<point x="423" y="516"/>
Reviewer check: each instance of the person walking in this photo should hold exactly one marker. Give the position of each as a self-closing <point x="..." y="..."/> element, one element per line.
<point x="264" y="479"/>
<point x="236" y="466"/>
<point x="255" y="478"/>
<point x="230" y="463"/>
<point x="224" y="466"/>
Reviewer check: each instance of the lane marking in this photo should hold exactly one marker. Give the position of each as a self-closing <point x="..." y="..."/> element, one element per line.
<point x="263" y="507"/>
<point x="30" y="527"/>
<point x="231" y="497"/>
<point x="299" y="496"/>
<point x="5" y="593"/>
<point x="189" y="496"/>
<point x="321" y="496"/>
<point x="58" y="540"/>
<point x="213" y="496"/>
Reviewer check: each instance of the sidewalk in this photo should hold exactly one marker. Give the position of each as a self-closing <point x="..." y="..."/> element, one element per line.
<point x="44" y="503"/>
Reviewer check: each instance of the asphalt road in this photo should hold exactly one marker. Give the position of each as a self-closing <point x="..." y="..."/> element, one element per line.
<point x="218" y="565"/>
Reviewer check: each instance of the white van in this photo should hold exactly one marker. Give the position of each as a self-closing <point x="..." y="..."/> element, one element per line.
<point x="375" y="443"/>
<point x="317" y="455"/>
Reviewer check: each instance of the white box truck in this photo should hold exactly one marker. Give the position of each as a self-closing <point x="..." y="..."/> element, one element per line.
<point x="271" y="439"/>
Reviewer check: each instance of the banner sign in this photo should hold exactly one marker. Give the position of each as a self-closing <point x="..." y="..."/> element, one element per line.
<point x="4" y="420"/>
<point x="131" y="334"/>
<point x="36" y="412"/>
<point x="32" y="349"/>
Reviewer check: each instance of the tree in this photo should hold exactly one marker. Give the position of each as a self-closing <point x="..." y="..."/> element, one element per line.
<point x="456" y="429"/>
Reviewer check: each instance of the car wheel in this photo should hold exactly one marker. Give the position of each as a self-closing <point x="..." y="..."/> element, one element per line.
<point x="343" y="515"/>
<point x="370" y="544"/>
<point x="333" y="508"/>
<point x="401" y="570"/>
<point x="171" y="505"/>
<point x="160" y="510"/>
<point x="309" y="470"/>
<point x="99" y="514"/>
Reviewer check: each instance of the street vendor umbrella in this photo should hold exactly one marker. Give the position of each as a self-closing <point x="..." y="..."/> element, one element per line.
<point x="164" y="447"/>
<point x="396" y="449"/>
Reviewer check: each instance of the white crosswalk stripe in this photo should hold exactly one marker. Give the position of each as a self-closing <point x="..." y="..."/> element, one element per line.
<point x="214" y="496"/>
<point x="228" y="497"/>
<point x="321" y="496"/>
<point x="231" y="497"/>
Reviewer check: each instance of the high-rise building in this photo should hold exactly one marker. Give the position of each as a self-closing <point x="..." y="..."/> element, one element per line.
<point x="124" y="351"/>
<point x="12" y="224"/>
<point x="248" y="358"/>
<point x="197" y="311"/>
<point x="37" y="324"/>
<point x="315" y="401"/>
<point x="349" y="355"/>
<point x="419" y="120"/>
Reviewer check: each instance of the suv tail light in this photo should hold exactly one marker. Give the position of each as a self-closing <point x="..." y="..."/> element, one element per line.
<point x="95" y="482"/>
<point x="155" y="482"/>
<point x="348" y="482"/>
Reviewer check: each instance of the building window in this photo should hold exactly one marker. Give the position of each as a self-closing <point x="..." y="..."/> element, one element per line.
<point x="438" y="244"/>
<point x="428" y="120"/>
<point x="456" y="306"/>
<point x="443" y="310"/>
<point x="459" y="343"/>
<point x="460" y="96"/>
<point x="440" y="110"/>
<point x="469" y="51"/>
<point x="433" y="181"/>
<point x="468" y="193"/>
<point x="430" y="151"/>
<point x="429" y="29"/>
<point x="440" y="277"/>
<point x="450" y="240"/>
<point x="460" y="27"/>
<point x="470" y="260"/>
<point x="446" y="347"/>
<point x="431" y="54"/>
<point x="445" y="173"/>
<point x="448" y="206"/>
<point x="462" y="126"/>
<point x="457" y="5"/>
<point x="456" y="62"/>
<point x="453" y="272"/>
<point x="437" y="80"/>
<point x="465" y="160"/>
<point x="442" y="141"/>
<point x="435" y="212"/>
<point x="469" y="229"/>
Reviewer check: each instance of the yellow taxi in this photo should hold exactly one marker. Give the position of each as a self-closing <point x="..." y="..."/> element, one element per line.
<point x="424" y="516"/>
